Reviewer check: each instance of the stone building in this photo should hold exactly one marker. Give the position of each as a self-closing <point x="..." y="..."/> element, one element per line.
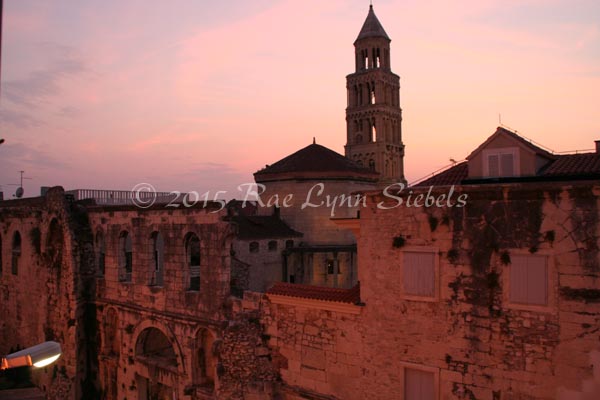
<point x="479" y="283"/>
<point x="493" y="298"/>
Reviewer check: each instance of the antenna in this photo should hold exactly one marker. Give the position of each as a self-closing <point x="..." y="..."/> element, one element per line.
<point x="20" y="191"/>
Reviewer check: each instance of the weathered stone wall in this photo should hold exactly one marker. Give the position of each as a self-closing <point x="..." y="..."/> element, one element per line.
<point x="480" y="345"/>
<point x="475" y="342"/>
<point x="320" y="351"/>
<point x="264" y="266"/>
<point x="48" y="297"/>
<point x="190" y="320"/>
<point x="315" y="222"/>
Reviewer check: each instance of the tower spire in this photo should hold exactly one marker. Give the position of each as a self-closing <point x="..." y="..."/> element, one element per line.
<point x="373" y="115"/>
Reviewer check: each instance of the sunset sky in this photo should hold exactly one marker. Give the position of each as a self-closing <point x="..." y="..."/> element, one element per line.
<point x="198" y="95"/>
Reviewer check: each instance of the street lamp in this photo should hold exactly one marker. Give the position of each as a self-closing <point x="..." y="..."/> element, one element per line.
<point x="38" y="356"/>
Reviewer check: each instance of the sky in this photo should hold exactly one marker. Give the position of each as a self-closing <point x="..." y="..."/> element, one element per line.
<point x="198" y="95"/>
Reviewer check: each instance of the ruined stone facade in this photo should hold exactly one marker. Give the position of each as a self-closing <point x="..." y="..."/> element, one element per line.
<point x="47" y="286"/>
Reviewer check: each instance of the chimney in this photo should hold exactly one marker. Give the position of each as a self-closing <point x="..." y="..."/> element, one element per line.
<point x="597" y="146"/>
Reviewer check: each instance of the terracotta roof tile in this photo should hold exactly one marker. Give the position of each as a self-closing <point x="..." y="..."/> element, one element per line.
<point x="314" y="159"/>
<point x="350" y="296"/>
<point x="451" y="176"/>
<point x="574" y="164"/>
<point x="372" y="27"/>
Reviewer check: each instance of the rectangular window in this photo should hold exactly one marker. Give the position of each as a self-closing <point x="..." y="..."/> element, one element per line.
<point x="529" y="279"/>
<point x="419" y="273"/>
<point x="331" y="267"/>
<point x="501" y="162"/>
<point x="418" y="384"/>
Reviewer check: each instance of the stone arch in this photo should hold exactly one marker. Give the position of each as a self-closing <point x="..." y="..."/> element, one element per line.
<point x="168" y="333"/>
<point x="204" y="360"/>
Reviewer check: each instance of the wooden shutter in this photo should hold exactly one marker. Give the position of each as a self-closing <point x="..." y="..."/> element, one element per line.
<point x="493" y="165"/>
<point x="418" y="385"/>
<point x="507" y="164"/>
<point x="419" y="273"/>
<point x="529" y="280"/>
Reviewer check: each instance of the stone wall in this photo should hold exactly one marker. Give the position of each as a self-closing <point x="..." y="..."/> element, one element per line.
<point x="315" y="222"/>
<point x="479" y="345"/>
<point x="470" y="338"/>
<point x="189" y="320"/>
<point x="48" y="298"/>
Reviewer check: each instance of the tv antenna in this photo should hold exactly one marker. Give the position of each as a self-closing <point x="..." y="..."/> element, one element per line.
<point x="20" y="191"/>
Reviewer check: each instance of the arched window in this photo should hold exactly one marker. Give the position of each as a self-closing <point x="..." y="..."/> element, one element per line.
<point x="192" y="251"/>
<point x="253" y="247"/>
<point x="125" y="257"/>
<point x="111" y="332"/>
<point x="204" y="360"/>
<point x="289" y="244"/>
<point x="100" y="253"/>
<point x="372" y="164"/>
<point x="16" y="253"/>
<point x="54" y="243"/>
<point x="157" y="246"/>
<point x="153" y="347"/>
<point x="358" y="139"/>
<point x="273" y="245"/>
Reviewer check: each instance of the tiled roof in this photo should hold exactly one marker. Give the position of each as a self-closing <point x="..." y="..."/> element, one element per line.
<point x="528" y="144"/>
<point x="451" y="176"/>
<point x="574" y="164"/>
<point x="350" y="296"/>
<point x="262" y="227"/>
<point x="585" y="165"/>
<point x="372" y="27"/>
<point x="240" y="207"/>
<point x="314" y="159"/>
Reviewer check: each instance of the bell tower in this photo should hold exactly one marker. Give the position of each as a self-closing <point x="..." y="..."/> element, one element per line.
<point x="373" y="114"/>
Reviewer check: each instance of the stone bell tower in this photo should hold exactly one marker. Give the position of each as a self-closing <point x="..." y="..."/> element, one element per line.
<point x="373" y="115"/>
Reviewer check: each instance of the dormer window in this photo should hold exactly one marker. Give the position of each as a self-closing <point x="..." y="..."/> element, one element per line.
<point x="501" y="162"/>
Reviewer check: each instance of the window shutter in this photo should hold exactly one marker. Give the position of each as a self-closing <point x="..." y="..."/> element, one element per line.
<point x="418" y="385"/>
<point x="493" y="165"/>
<point x="518" y="280"/>
<point x="529" y="280"/>
<point x="537" y="280"/>
<point x="507" y="165"/>
<point x="419" y="273"/>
